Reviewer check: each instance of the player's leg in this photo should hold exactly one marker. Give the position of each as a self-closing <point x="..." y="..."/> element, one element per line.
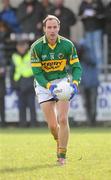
<point x="49" y="111"/>
<point x="47" y="104"/>
<point x="2" y="112"/>
<point x="63" y="134"/>
<point x="22" y="109"/>
<point x="32" y="108"/>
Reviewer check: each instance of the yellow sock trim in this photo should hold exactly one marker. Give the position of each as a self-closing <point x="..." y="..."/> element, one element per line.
<point x="62" y="150"/>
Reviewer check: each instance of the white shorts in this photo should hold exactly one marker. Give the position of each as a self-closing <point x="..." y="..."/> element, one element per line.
<point x="44" y="94"/>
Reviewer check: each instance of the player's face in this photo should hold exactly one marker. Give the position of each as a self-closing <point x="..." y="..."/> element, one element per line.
<point x="51" y="29"/>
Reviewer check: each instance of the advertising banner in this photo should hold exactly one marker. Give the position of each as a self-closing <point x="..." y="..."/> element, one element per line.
<point x="77" y="110"/>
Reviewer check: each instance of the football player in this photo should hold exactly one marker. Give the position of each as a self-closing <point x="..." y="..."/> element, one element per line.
<point x="50" y="56"/>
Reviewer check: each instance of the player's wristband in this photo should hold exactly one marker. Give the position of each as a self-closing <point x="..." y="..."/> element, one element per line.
<point x="76" y="82"/>
<point x="48" y="85"/>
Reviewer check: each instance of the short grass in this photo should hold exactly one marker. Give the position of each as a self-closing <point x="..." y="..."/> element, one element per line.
<point x="29" y="154"/>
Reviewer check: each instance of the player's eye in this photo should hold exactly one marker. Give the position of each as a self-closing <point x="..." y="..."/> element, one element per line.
<point x="55" y="27"/>
<point x="49" y="27"/>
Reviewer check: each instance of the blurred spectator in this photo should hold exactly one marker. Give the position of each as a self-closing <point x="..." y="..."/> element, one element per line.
<point x="108" y="18"/>
<point x="91" y="13"/>
<point x="66" y="17"/>
<point x="30" y="14"/>
<point x="3" y="33"/>
<point x="108" y="29"/>
<point x="48" y="6"/>
<point x="22" y="82"/>
<point x="8" y="16"/>
<point x="89" y="82"/>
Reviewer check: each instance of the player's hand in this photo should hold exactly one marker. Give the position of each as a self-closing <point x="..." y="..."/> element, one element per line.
<point x="75" y="90"/>
<point x="52" y="87"/>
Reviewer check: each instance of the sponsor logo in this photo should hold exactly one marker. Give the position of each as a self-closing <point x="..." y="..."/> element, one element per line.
<point x="55" y="65"/>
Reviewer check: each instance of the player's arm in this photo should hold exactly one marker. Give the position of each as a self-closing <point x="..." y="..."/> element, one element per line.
<point x="75" y="65"/>
<point x="37" y="69"/>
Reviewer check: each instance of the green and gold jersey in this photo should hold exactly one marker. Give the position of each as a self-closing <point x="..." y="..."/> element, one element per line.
<point x="49" y="62"/>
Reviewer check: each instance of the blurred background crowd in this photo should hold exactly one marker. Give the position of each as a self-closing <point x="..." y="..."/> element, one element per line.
<point x="86" y="22"/>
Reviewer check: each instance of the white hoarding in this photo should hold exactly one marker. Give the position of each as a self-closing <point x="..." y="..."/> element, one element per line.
<point x="77" y="111"/>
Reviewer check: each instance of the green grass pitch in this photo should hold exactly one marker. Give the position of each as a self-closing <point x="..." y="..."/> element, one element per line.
<point x="30" y="154"/>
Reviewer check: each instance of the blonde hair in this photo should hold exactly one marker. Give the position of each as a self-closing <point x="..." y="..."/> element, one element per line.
<point x="50" y="17"/>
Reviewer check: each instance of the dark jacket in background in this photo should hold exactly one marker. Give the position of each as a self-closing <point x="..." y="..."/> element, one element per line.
<point x="2" y="84"/>
<point x="9" y="17"/>
<point x="90" y="70"/>
<point x="108" y="18"/>
<point x="48" y="8"/>
<point x="67" y="19"/>
<point x="2" y="70"/>
<point x="93" y="22"/>
<point x="29" y="21"/>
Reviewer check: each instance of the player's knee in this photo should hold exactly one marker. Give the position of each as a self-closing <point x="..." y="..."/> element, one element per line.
<point x="53" y="128"/>
<point x="63" y="120"/>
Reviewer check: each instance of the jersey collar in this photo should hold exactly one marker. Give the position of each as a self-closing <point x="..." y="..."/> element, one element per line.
<point x="45" y="39"/>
